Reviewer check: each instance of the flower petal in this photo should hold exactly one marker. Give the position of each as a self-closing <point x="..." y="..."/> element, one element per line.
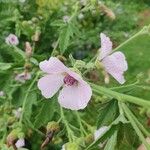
<point x="115" y="65"/>
<point x="106" y="46"/>
<point x="50" y="84"/>
<point x="53" y="65"/>
<point x="75" y="97"/>
<point x="12" y="39"/>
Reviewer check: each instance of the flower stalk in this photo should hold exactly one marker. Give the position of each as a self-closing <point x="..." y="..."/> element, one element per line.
<point x="119" y="96"/>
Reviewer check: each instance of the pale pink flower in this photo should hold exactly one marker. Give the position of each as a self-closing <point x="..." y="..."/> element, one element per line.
<point x="100" y="132"/>
<point x="114" y="63"/>
<point x="12" y="39"/>
<point x="20" y="143"/>
<point x="75" y="93"/>
<point x="22" y="77"/>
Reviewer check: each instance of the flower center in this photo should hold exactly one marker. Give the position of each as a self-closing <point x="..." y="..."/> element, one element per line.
<point x="69" y="80"/>
<point x="12" y="39"/>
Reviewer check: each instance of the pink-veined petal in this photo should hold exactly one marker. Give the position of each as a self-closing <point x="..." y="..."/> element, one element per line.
<point x="53" y="65"/>
<point x="50" y="84"/>
<point x="106" y="46"/>
<point x="75" y="97"/>
<point x="121" y="60"/>
<point x="115" y="65"/>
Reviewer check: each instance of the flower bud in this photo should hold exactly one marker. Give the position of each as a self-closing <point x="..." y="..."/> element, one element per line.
<point x="37" y="34"/>
<point x="89" y="139"/>
<point x="35" y="20"/>
<point x="12" y="137"/>
<point x="24" y="23"/>
<point x="71" y="146"/>
<point x="109" y="13"/>
<point x="30" y="22"/>
<point x="79" y="64"/>
<point x="28" y="49"/>
<point x="52" y="127"/>
<point x="57" y="140"/>
<point x="11" y="120"/>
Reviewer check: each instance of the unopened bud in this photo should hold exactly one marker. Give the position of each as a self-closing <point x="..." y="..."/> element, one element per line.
<point x="109" y="13"/>
<point x="28" y="49"/>
<point x="35" y="20"/>
<point x="79" y="64"/>
<point x="36" y="36"/>
<point x="57" y="140"/>
<point x="52" y="126"/>
<point x="106" y="77"/>
<point x="11" y="120"/>
<point x="89" y="139"/>
<point x="71" y="146"/>
<point x="12" y="137"/>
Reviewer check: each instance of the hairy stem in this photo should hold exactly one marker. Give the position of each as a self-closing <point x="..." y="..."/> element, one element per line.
<point x="133" y="123"/>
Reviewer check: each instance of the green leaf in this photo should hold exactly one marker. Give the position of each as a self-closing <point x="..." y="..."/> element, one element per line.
<point x="45" y="114"/>
<point x="107" y="114"/>
<point x="19" y="53"/>
<point x="64" y="37"/>
<point x="109" y="133"/>
<point x="5" y="66"/>
<point x="58" y="23"/>
<point x="31" y="100"/>
<point x="12" y="53"/>
<point x="111" y="142"/>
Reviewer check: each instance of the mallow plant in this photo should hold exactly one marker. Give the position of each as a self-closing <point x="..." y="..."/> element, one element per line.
<point x="54" y="101"/>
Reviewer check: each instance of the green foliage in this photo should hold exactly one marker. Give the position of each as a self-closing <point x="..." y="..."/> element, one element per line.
<point x="42" y="24"/>
<point x="45" y="113"/>
<point x="107" y="114"/>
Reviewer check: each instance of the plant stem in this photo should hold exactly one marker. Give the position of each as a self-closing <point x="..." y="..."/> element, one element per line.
<point x="69" y="131"/>
<point x="131" y="38"/>
<point x="133" y="123"/>
<point x="138" y="123"/>
<point x="26" y="96"/>
<point x="120" y="96"/>
<point x="82" y="130"/>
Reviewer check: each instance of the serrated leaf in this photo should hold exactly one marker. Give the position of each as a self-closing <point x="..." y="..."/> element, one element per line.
<point x="17" y="54"/>
<point x="31" y="100"/>
<point x="107" y="114"/>
<point x="58" y="23"/>
<point x="45" y="113"/>
<point x="64" y="38"/>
